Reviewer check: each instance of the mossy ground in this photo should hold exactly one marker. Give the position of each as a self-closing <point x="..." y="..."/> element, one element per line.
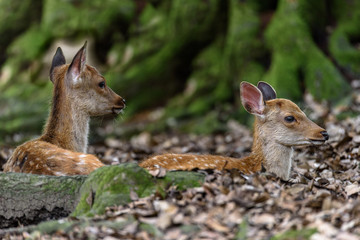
<point x="112" y="185"/>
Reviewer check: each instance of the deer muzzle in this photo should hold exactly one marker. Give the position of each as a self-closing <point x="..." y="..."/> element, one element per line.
<point x="119" y="106"/>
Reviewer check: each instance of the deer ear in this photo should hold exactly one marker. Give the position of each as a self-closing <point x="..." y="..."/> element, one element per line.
<point x="267" y="91"/>
<point x="252" y="99"/>
<point x="77" y="65"/>
<point x="58" y="60"/>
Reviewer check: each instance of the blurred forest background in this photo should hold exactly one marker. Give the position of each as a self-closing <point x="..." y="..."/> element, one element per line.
<point x="177" y="63"/>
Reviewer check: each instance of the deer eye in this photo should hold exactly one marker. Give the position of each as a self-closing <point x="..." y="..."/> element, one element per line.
<point x="102" y="84"/>
<point x="289" y="119"/>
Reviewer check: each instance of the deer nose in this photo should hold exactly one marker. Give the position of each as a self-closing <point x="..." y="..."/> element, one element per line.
<point x="325" y="135"/>
<point x="122" y="102"/>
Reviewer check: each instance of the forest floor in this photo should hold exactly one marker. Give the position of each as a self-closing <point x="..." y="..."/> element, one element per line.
<point x="229" y="205"/>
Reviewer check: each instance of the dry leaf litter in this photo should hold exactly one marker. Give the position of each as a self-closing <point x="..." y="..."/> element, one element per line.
<point x="229" y="204"/>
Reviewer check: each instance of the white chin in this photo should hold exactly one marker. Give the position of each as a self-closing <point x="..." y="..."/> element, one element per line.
<point x="117" y="110"/>
<point x="304" y="143"/>
<point x="309" y="143"/>
<point x="317" y="143"/>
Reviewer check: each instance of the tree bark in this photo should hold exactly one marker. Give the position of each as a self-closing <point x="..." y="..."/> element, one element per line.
<point x="29" y="199"/>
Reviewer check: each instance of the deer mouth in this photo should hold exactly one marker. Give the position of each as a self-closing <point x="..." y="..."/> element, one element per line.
<point x="117" y="110"/>
<point x="317" y="141"/>
<point x="306" y="142"/>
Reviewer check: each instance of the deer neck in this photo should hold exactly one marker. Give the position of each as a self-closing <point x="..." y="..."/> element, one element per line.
<point x="275" y="157"/>
<point x="67" y="126"/>
<point x="80" y="129"/>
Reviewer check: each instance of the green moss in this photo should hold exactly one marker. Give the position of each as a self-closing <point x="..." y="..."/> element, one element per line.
<point x="296" y="58"/>
<point x="161" y="58"/>
<point x="31" y="44"/>
<point x="68" y="225"/>
<point x="152" y="230"/>
<point x="189" y="57"/>
<point x="182" y="180"/>
<point x="287" y="86"/>
<point x="15" y="17"/>
<point x="322" y="79"/>
<point x="111" y="185"/>
<point x="242" y="230"/>
<point x="346" y="30"/>
<point x="218" y="70"/>
<point x="53" y="226"/>
<point x="65" y="18"/>
<point x="70" y="187"/>
<point x="15" y="113"/>
<point x="205" y="124"/>
<point x="295" y="234"/>
<point x="190" y="229"/>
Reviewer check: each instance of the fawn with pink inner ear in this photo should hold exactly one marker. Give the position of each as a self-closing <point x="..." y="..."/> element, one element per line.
<point x="279" y="126"/>
<point x="80" y="92"/>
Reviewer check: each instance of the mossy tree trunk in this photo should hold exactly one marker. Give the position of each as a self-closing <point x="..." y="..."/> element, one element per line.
<point x="28" y="199"/>
<point x="183" y="31"/>
<point x="188" y="56"/>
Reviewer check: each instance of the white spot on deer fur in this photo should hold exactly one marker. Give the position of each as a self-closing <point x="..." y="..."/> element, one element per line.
<point x="180" y="157"/>
<point x="196" y="158"/>
<point x="31" y="163"/>
<point x="206" y="165"/>
<point x="82" y="162"/>
<point x="37" y="165"/>
<point x="59" y="174"/>
<point x="76" y="79"/>
<point x="82" y="156"/>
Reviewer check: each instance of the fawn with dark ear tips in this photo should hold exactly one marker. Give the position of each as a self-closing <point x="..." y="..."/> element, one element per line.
<point x="80" y="92"/>
<point x="279" y="126"/>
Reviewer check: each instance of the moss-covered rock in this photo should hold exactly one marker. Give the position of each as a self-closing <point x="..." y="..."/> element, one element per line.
<point x="68" y="225"/>
<point x="112" y="185"/>
<point x="29" y="198"/>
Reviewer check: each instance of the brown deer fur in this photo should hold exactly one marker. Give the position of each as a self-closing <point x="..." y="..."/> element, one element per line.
<point x="279" y="126"/>
<point x="79" y="92"/>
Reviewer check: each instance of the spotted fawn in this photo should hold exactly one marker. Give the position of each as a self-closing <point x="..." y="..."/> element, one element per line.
<point x="279" y="126"/>
<point x="80" y="92"/>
